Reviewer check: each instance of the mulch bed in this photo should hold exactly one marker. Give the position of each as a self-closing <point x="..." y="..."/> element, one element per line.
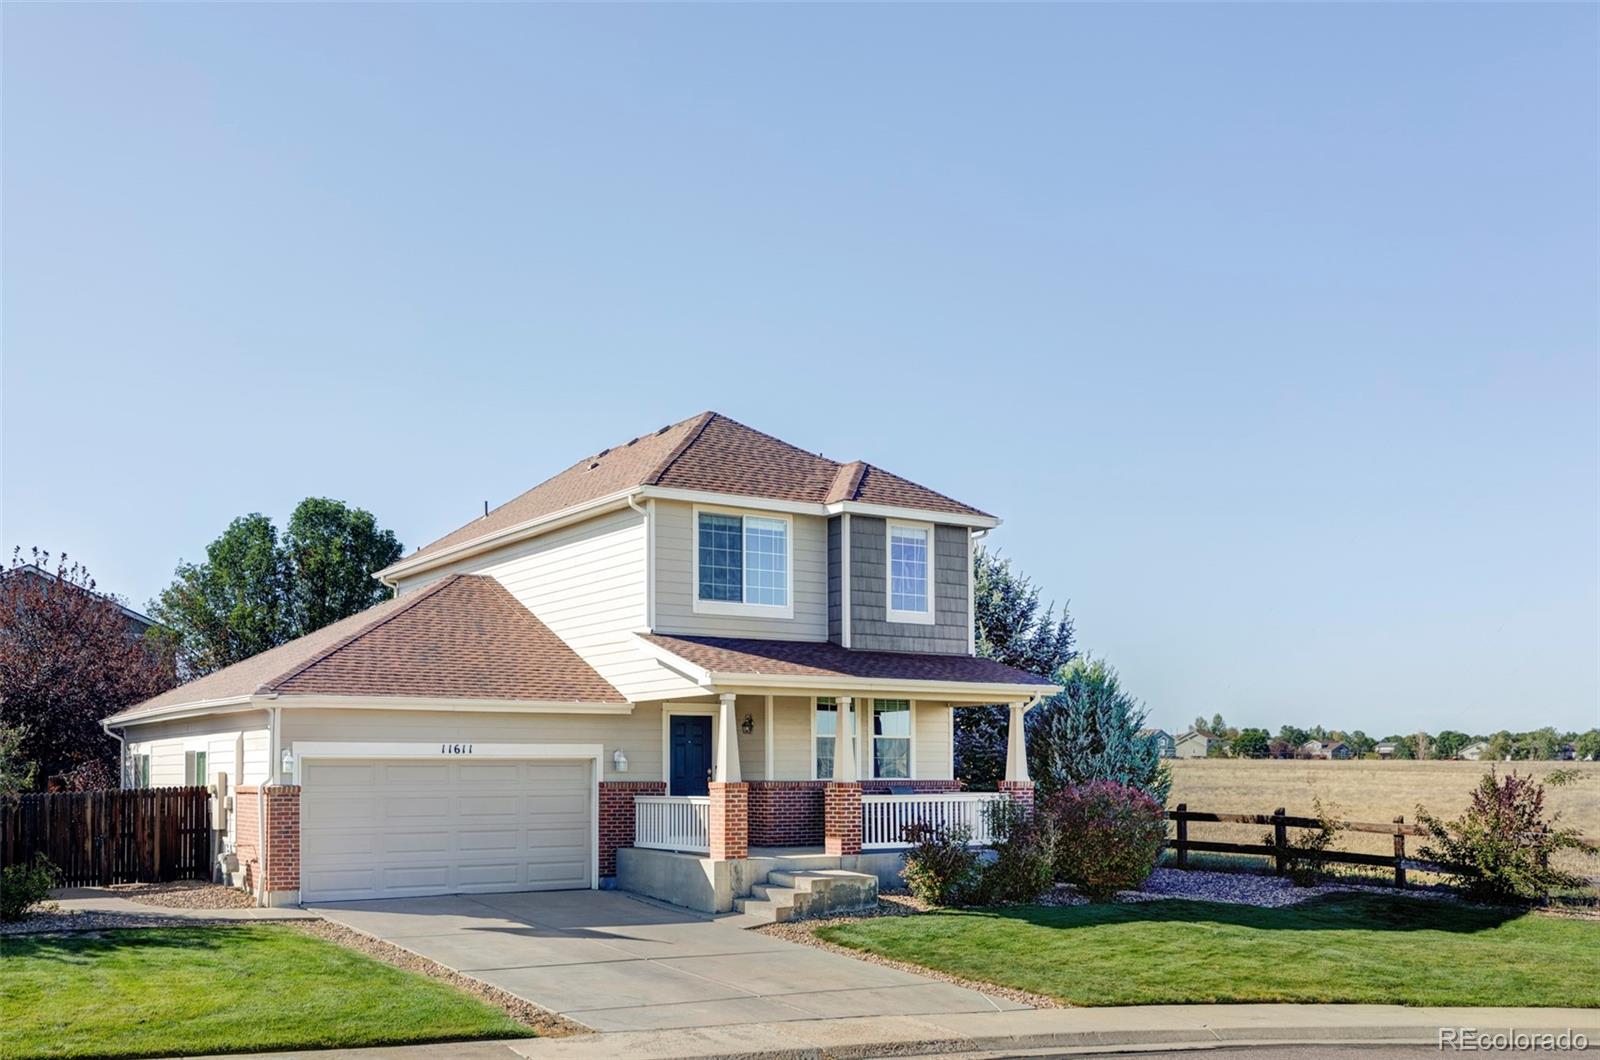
<point x="184" y="894"/>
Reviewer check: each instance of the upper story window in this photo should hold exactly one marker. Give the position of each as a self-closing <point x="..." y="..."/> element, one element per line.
<point x="910" y="572"/>
<point x="742" y="562"/>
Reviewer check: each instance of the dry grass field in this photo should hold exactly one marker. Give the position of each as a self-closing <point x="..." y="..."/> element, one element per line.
<point x="1364" y="791"/>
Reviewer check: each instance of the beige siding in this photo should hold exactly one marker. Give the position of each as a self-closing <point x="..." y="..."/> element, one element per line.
<point x="675" y="589"/>
<point x="791" y="738"/>
<point x="587" y="583"/>
<point x="638" y="735"/>
<point x="932" y="742"/>
<point x="752" y="745"/>
<point x="167" y="742"/>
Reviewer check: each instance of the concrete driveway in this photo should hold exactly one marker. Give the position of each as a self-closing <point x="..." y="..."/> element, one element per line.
<point x="616" y="963"/>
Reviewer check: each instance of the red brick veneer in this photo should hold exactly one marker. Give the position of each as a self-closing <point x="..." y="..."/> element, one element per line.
<point x="788" y="813"/>
<point x="282" y="832"/>
<point x="1019" y="790"/>
<point x="841" y="808"/>
<point x="729" y="826"/>
<point x="617" y="818"/>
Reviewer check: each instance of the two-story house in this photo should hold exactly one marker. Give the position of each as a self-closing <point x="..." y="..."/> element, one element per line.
<point x="664" y="668"/>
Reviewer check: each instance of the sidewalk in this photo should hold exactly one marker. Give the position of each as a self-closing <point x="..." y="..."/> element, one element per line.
<point x="1097" y="1029"/>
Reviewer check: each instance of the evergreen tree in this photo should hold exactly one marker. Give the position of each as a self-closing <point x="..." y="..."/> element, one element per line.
<point x="1012" y="628"/>
<point x="1091" y="732"/>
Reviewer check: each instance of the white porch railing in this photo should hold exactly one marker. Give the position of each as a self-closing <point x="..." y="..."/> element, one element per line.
<point x="672" y="822"/>
<point x="884" y="817"/>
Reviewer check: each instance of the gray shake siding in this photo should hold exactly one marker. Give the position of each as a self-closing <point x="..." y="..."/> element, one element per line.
<point x="869" y="629"/>
<point x="834" y="595"/>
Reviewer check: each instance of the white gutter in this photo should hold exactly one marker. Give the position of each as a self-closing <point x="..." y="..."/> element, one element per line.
<point x="443" y="706"/>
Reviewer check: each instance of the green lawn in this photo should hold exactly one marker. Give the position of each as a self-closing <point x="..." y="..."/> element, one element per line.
<point x="159" y="992"/>
<point x="1344" y="948"/>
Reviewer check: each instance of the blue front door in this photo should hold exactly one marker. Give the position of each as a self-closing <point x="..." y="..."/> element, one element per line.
<point x="691" y="754"/>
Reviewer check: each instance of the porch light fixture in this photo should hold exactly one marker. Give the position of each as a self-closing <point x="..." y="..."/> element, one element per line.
<point x="749" y="725"/>
<point x="288" y="762"/>
<point x="619" y="761"/>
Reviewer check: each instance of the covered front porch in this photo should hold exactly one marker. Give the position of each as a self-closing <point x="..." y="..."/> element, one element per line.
<point x="823" y="821"/>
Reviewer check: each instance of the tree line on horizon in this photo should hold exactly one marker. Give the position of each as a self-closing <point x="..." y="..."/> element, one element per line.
<point x="1536" y="745"/>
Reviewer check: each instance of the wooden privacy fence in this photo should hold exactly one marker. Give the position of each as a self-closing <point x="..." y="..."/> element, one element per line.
<point x="146" y="835"/>
<point x="1279" y="850"/>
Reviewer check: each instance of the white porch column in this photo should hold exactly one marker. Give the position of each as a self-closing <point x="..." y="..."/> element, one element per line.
<point x="845" y="770"/>
<point x="727" y="767"/>
<point x="1016" y="746"/>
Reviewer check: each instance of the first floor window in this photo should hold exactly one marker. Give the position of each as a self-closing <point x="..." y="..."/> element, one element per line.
<point x="742" y="559"/>
<point x="891" y="739"/>
<point x="827" y="734"/>
<point x="194" y="768"/>
<point x="139" y="770"/>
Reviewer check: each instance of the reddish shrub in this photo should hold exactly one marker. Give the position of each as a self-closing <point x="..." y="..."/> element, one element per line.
<point x="1109" y="836"/>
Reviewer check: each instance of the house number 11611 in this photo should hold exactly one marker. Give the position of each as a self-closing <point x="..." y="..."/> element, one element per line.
<point x="455" y="748"/>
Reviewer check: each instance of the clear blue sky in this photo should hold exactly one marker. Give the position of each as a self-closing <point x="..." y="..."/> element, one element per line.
<point x="1270" y="330"/>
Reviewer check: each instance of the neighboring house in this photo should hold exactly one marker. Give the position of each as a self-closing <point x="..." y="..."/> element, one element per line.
<point x="1193" y="744"/>
<point x="1567" y="753"/>
<point x="1473" y="751"/>
<point x="1166" y="747"/>
<point x="1385" y="750"/>
<point x="137" y="623"/>
<point x="634" y="672"/>
<point x="1332" y="749"/>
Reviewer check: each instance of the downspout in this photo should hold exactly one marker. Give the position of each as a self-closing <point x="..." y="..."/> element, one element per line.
<point x="122" y="753"/>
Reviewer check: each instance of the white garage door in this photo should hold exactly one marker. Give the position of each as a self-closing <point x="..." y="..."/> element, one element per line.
<point x="384" y="828"/>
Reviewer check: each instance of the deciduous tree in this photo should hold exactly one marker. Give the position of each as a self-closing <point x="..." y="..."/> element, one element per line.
<point x="254" y="592"/>
<point x="68" y="657"/>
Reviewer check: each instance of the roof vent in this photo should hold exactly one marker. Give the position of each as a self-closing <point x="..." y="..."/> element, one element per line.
<point x="601" y="453"/>
<point x="592" y="466"/>
<point x="664" y="430"/>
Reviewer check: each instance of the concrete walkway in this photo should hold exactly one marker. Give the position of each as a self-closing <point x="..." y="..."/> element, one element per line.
<point x="1055" y="1031"/>
<point x="616" y="963"/>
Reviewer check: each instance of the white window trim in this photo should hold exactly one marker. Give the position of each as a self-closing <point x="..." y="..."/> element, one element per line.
<point x="707" y="711"/>
<point x="923" y="618"/>
<point x="729" y="607"/>
<point x="911" y="746"/>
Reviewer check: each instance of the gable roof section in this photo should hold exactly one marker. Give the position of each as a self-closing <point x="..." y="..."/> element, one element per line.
<point x="805" y="658"/>
<point x="713" y="454"/>
<point x="464" y="637"/>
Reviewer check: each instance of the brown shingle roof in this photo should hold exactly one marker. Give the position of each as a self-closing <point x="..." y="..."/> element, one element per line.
<point x="713" y="453"/>
<point x="802" y="658"/>
<point x="464" y="637"/>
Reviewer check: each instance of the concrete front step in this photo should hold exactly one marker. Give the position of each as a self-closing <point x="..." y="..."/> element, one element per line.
<point x="793" y="892"/>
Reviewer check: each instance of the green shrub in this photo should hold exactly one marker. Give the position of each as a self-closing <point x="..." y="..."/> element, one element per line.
<point x="24" y="886"/>
<point x="941" y="869"/>
<point x="1499" y="849"/>
<point x="1108" y="836"/>
<point x="1024" y="846"/>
